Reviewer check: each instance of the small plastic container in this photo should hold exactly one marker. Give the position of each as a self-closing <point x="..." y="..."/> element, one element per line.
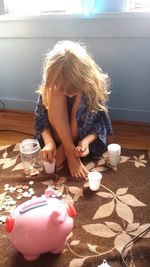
<point x="30" y="152"/>
<point x="94" y="180"/>
<point x="114" y="152"/>
<point x="104" y="264"/>
<point x="49" y="166"/>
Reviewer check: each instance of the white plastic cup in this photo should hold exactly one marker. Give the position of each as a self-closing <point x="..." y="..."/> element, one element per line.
<point x="114" y="152"/>
<point x="49" y="166"/>
<point x="94" y="180"/>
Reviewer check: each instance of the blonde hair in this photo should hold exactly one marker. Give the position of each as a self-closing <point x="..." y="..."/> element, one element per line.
<point x="69" y="67"/>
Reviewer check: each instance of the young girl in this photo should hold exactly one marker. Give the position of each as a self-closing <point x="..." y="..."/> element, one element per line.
<point x="71" y="116"/>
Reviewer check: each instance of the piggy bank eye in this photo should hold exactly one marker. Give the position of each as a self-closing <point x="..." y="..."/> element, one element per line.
<point x="71" y="210"/>
<point x="9" y="223"/>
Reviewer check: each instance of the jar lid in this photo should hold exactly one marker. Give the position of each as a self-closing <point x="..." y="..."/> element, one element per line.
<point x="29" y="146"/>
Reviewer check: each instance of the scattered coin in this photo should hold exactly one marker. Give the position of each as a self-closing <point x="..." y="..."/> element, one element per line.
<point x="2" y="219"/>
<point x="13" y="193"/>
<point x="19" y="190"/>
<point x="25" y="187"/>
<point x="31" y="182"/>
<point x="59" y="194"/>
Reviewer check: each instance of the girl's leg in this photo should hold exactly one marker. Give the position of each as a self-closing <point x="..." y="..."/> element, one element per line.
<point x="58" y="116"/>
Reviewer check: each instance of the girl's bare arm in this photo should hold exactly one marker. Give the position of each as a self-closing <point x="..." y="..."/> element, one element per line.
<point x="49" y="150"/>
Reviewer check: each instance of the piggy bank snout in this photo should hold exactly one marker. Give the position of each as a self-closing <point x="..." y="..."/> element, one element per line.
<point x="9" y="223"/>
<point x="71" y="210"/>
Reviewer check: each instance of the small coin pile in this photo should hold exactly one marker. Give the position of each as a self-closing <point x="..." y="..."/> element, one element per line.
<point x="10" y="196"/>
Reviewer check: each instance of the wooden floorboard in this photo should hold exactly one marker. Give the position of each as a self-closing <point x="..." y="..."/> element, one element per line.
<point x="15" y="121"/>
<point x="127" y="134"/>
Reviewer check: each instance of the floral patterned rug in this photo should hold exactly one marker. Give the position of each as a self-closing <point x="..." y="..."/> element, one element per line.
<point x="106" y="220"/>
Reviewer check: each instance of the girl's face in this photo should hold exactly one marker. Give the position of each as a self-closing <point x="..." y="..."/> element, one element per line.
<point x="70" y="91"/>
<point x="71" y="94"/>
<point x="67" y="92"/>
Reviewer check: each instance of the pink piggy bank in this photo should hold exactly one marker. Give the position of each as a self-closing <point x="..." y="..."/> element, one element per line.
<point x="40" y="225"/>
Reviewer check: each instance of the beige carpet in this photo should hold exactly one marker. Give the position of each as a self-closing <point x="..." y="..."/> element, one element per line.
<point x="106" y="220"/>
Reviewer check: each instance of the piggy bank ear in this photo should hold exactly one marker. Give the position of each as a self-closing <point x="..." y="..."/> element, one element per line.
<point x="71" y="210"/>
<point x="9" y="223"/>
<point x="59" y="217"/>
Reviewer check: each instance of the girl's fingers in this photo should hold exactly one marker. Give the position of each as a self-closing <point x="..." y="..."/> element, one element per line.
<point x="77" y="149"/>
<point x="48" y="155"/>
<point x="53" y="154"/>
<point x="83" y="149"/>
<point x="80" y="154"/>
<point x="44" y="155"/>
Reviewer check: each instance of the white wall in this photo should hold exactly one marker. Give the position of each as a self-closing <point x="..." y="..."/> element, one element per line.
<point x="119" y="42"/>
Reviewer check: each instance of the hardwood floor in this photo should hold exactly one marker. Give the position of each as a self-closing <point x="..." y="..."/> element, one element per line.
<point x="127" y="134"/>
<point x="15" y="121"/>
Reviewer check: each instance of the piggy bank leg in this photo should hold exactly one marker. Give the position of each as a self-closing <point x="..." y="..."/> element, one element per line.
<point x="59" y="249"/>
<point x="31" y="257"/>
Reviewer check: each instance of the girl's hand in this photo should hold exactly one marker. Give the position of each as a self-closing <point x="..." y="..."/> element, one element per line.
<point x="81" y="150"/>
<point x="49" y="151"/>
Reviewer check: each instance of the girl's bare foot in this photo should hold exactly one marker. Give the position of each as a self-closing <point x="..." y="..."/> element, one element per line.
<point x="76" y="167"/>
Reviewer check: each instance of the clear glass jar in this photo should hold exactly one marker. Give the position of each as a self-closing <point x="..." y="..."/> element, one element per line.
<point x="30" y="152"/>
